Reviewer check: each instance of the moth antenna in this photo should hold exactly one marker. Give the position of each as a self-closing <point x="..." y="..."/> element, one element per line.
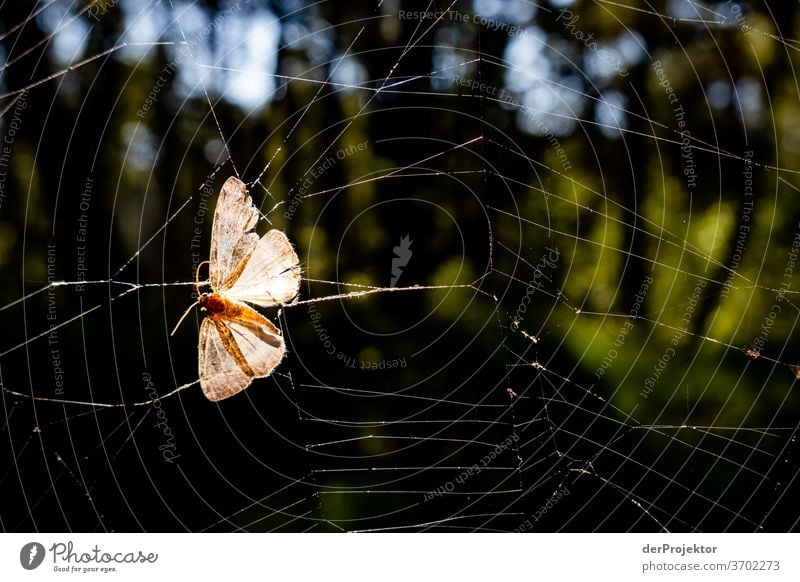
<point x="197" y="288"/>
<point x="185" y="313"/>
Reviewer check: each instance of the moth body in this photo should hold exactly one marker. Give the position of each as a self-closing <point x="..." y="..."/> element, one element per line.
<point x="217" y="304"/>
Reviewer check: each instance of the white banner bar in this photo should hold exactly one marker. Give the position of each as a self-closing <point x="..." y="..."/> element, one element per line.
<point x="399" y="557"/>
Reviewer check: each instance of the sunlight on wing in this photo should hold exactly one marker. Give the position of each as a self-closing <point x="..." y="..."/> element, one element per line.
<point x="231" y="353"/>
<point x="272" y="274"/>
<point x="231" y="239"/>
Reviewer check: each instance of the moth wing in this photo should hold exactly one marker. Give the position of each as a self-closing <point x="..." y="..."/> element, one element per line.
<point x="271" y="275"/>
<point x="795" y="368"/>
<point x="232" y="241"/>
<point x="232" y="352"/>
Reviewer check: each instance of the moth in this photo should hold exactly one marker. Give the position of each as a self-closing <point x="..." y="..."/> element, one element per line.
<point x="237" y="343"/>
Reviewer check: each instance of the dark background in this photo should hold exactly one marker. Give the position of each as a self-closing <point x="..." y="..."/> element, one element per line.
<point x="320" y="446"/>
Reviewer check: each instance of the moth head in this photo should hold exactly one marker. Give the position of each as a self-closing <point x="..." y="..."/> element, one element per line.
<point x="203" y="300"/>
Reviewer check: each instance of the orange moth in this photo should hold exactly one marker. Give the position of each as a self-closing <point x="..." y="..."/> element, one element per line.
<point x="237" y="343"/>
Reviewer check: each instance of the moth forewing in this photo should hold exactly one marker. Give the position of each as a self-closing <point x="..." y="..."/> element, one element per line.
<point x="232" y="239"/>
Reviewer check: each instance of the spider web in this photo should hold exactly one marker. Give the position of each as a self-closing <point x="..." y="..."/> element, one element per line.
<point x="486" y="339"/>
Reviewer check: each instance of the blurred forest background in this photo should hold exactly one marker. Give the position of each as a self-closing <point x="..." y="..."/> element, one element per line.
<point x="605" y="192"/>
